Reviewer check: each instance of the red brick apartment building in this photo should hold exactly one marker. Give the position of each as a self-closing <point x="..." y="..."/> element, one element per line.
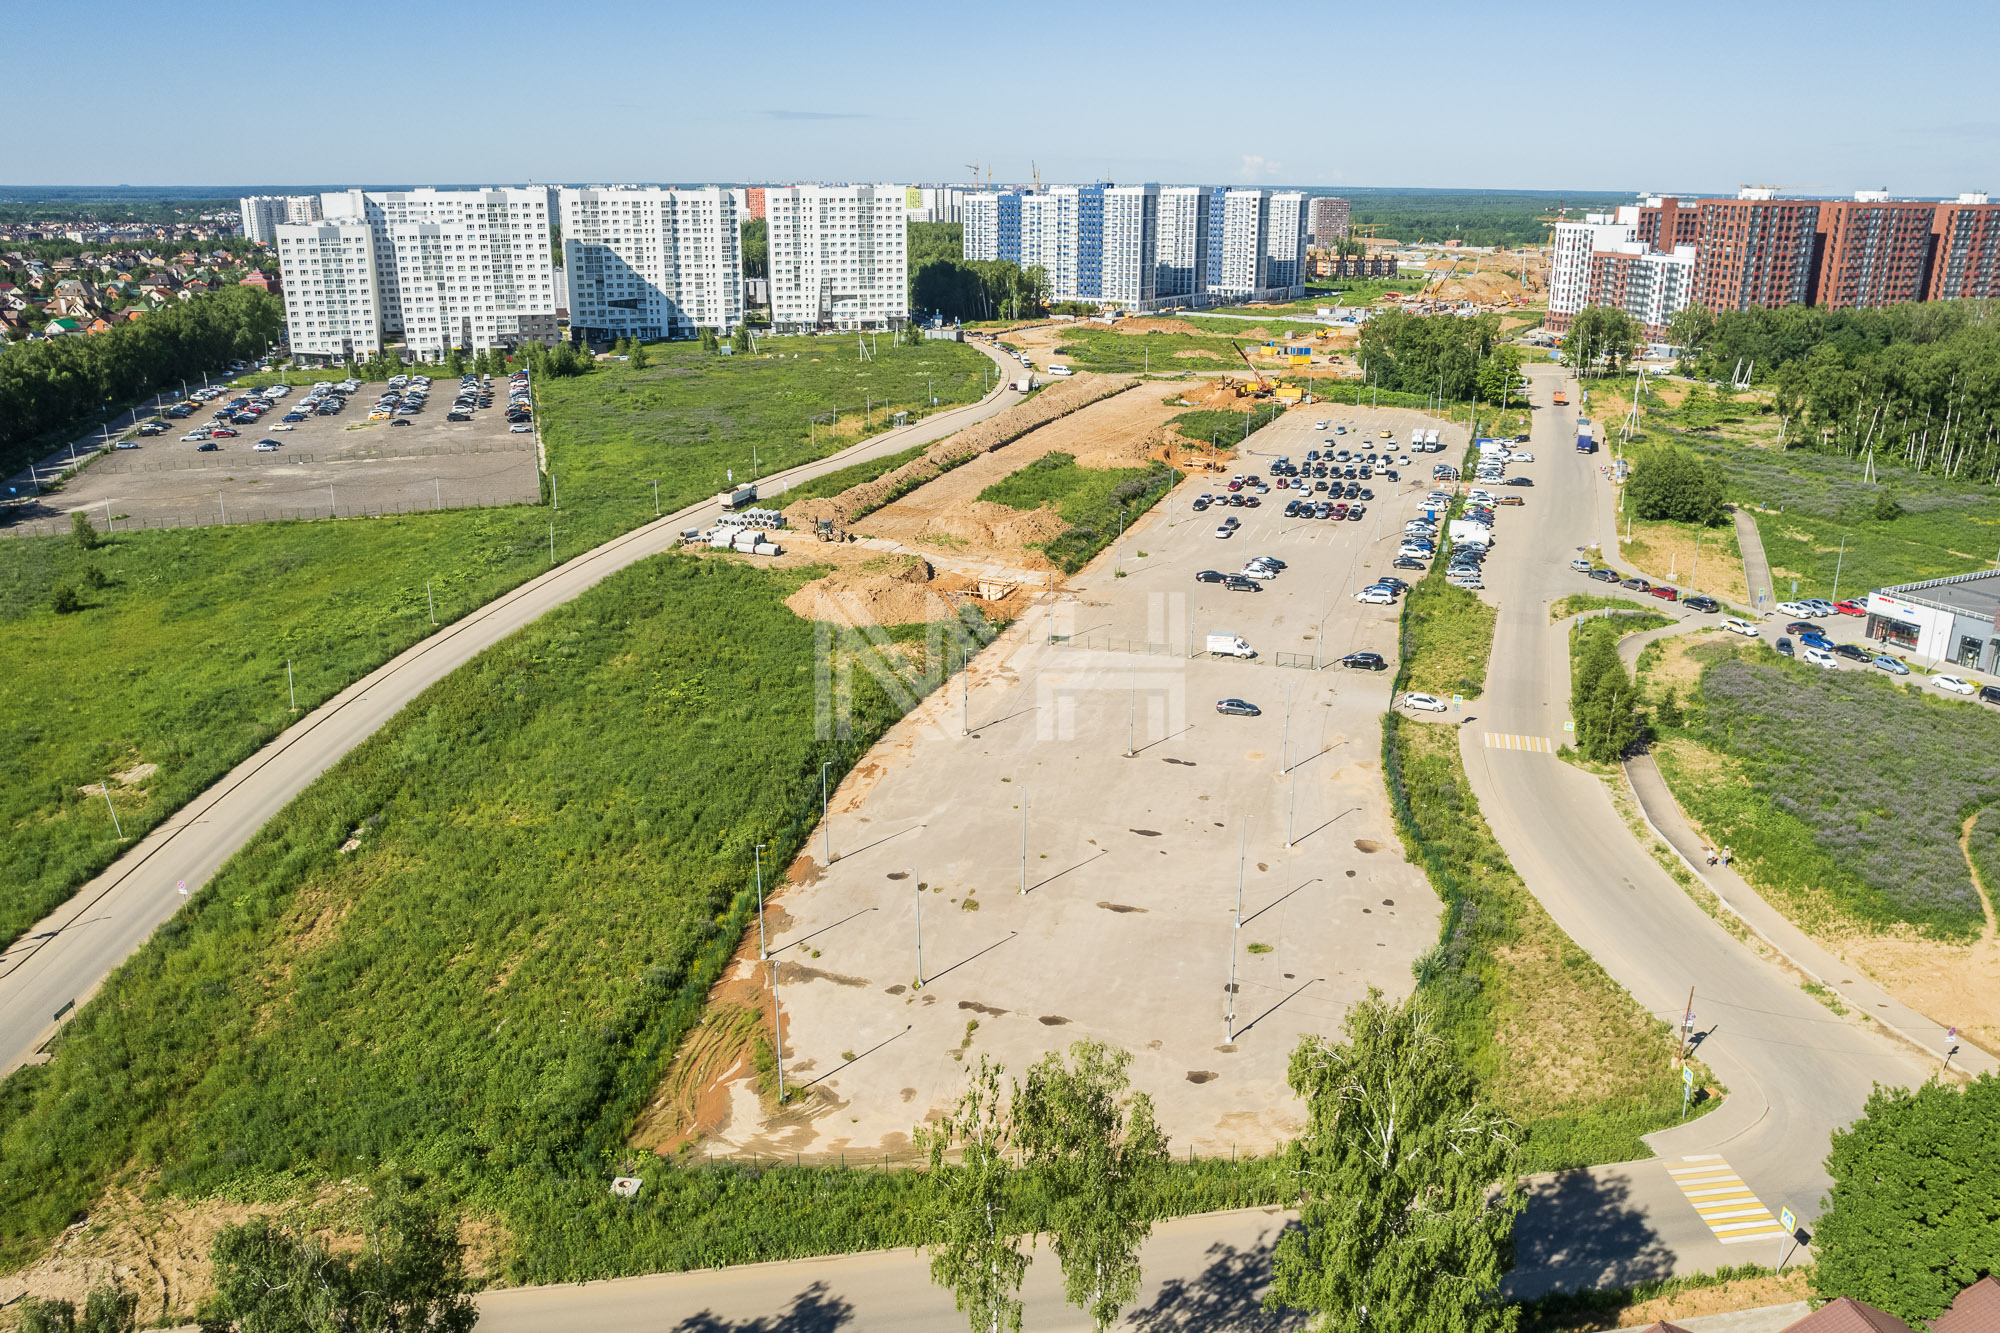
<point x="1965" y="250"/>
<point x="1755" y="252"/>
<point x="1669" y="223"/>
<point x="1872" y="252"/>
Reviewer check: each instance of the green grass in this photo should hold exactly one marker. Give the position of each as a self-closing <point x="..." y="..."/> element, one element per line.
<point x="1447" y="638"/>
<point x="1090" y="500"/>
<point x="180" y="659"/>
<point x="1110" y="350"/>
<point x="1579" y="602"/>
<point x="841" y="479"/>
<point x="1876" y="554"/>
<point x="1227" y="427"/>
<point x="554" y="863"/>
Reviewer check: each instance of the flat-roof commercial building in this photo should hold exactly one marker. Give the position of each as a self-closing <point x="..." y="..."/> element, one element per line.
<point x="652" y="263"/>
<point x="839" y="257"/>
<point x="1955" y="619"/>
<point x="332" y="294"/>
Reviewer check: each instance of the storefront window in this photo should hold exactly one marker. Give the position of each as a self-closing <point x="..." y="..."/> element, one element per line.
<point x="1892" y="631"/>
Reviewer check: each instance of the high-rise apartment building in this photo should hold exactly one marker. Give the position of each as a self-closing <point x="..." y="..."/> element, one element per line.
<point x="651" y="262"/>
<point x="1073" y="242"/>
<point x="1131" y="242"/>
<point x="1245" y="214"/>
<point x="935" y="203"/>
<point x="467" y="269"/>
<point x="1329" y="221"/>
<point x="263" y="214"/>
<point x="1037" y="224"/>
<point x="1666" y="223"/>
<point x="331" y="292"/>
<point x="1871" y="251"/>
<point x="993" y="225"/>
<point x="1570" y="260"/>
<point x="1218" y="221"/>
<point x="1285" y="223"/>
<point x="1181" y="247"/>
<point x="1647" y="284"/>
<point x="1755" y="250"/>
<point x="839" y="257"/>
<point x="1965" y="250"/>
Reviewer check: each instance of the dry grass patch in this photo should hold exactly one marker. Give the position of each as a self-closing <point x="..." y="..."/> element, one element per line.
<point x="1666" y="552"/>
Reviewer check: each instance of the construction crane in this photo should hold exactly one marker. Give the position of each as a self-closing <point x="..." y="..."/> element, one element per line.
<point x="1263" y="385"/>
<point x="973" y="167"/>
<point x="1362" y="230"/>
<point x="1037" y="172"/>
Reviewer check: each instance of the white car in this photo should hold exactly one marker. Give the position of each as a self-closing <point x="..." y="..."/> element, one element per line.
<point x="1375" y="597"/>
<point x="1796" y="610"/>
<point x="1319" y="425"/>
<point x="1261" y="573"/>
<point x="284" y="425"/>
<point x="1427" y="703"/>
<point x="266" y="446"/>
<point x="194" y="437"/>
<point x="1819" y="657"/>
<point x="1956" y="684"/>
<point x="1225" y="531"/>
<point x="519" y="428"/>
<point x="1737" y="625"/>
<point x="1520" y="456"/>
<point x="1415" y="552"/>
<point x="1581" y="565"/>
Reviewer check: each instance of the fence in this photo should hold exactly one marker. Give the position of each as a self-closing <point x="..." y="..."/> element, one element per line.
<point x="239" y="461"/>
<point x="236" y="518"/>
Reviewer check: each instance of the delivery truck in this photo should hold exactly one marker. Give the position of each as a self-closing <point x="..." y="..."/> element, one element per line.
<point x="1229" y="645"/>
<point x="736" y="497"/>
<point x="1586" y="440"/>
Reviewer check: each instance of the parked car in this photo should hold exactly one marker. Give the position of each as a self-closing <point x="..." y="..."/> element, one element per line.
<point x="1819" y="657"/>
<point x="1814" y="639"/>
<point x="1665" y="593"/>
<point x="1225" y="531"/>
<point x="1794" y="609"/>
<point x="1955" y="684"/>
<point x="1989" y="694"/>
<point x="1580" y="565"/>
<point x="1407" y="562"/>
<point x="266" y="446"/>
<point x="208" y="447"/>
<point x="1208" y="576"/>
<point x="1636" y="584"/>
<point x="1365" y="662"/>
<point x="1253" y="570"/>
<point x="1237" y="708"/>
<point x="1784" y="645"/>
<point x="511" y="430"/>
<point x="1853" y="652"/>
<point x="1426" y="703"/>
<point x="1707" y="605"/>
<point x="1605" y="575"/>
<point x="1238" y="583"/>
<point x="1891" y="665"/>
<point x="1738" y="625"/>
<point x="1375" y="597"/>
<point x="1850" y="607"/>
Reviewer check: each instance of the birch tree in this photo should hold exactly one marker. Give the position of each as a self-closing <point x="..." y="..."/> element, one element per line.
<point x="1402" y="1225"/>
<point x="1096" y="1149"/>
<point x="975" y="1250"/>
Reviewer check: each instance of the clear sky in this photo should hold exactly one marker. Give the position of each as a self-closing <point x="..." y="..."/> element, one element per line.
<point x="1829" y="95"/>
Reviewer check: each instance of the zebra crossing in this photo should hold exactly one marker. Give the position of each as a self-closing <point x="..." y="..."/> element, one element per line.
<point x="1723" y="1201"/>
<point x="1500" y="740"/>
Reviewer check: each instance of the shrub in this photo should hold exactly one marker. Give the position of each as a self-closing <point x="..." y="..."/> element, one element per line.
<point x="1676" y="486"/>
<point x="63" y="598"/>
<point x="82" y="532"/>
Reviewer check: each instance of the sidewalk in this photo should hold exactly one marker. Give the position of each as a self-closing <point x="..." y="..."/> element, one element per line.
<point x="1756" y="569"/>
<point x="1663" y="813"/>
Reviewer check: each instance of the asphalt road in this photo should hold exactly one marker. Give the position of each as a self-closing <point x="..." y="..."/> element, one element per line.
<point x="1794" y="1071"/>
<point x="67" y="955"/>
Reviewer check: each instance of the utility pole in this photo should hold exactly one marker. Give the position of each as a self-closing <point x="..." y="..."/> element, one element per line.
<point x="778" y="1033"/>
<point x="758" y="852"/>
<point x="825" y="825"/>
<point x="656" y="497"/>
<point x="1291" y="809"/>
<point x="552" y="543"/>
<point x="1836" y="566"/>
<point x="428" y="597"/>
<point x="290" y="686"/>
<point x="918" y="881"/>
<point x="1131" y="720"/>
<point x="113" y="809"/>
<point x="1243" y="847"/>
<point x="1686" y="1014"/>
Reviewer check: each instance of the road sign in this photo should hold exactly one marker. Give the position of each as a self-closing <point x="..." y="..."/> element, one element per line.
<point x="1569" y="726"/>
<point x="1688" y="1022"/>
<point x="1687" y="1075"/>
<point x="1787" y="1221"/>
<point x="183" y="886"/>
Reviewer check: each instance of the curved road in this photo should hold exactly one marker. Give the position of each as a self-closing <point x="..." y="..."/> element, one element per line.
<point x="66" y="956"/>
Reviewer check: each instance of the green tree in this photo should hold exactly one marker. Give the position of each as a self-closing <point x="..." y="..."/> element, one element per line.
<point x="108" y="1309"/>
<point x="1603" y="698"/>
<point x="409" y="1278"/>
<point x="1690" y="329"/>
<point x="1600" y="334"/>
<point x="976" y="1250"/>
<point x="756" y="249"/>
<point x="1885" y="509"/>
<point x="638" y="354"/>
<point x="63" y="598"/>
<point x="1408" y="1189"/>
<point x="1675" y="486"/>
<point x="1916" y="1186"/>
<point x="1499" y="373"/>
<point x="81" y="531"/>
<point x="740" y="339"/>
<point x="709" y="343"/>
<point x="1098" y="1151"/>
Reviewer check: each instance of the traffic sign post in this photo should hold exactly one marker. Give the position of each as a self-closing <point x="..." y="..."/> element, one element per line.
<point x="1791" y="1226"/>
<point x="1687" y="1089"/>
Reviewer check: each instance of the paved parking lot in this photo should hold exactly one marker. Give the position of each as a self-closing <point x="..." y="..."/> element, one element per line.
<point x="1131" y="862"/>
<point x="341" y="466"/>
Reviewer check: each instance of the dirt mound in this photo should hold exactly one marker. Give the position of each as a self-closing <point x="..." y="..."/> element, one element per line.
<point x="987" y="525"/>
<point x="1202" y="352"/>
<point x="1052" y="403"/>
<point x="892" y="591"/>
<point x="1158" y="326"/>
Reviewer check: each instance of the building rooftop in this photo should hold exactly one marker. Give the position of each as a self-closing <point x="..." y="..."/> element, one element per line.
<point x="1975" y="594"/>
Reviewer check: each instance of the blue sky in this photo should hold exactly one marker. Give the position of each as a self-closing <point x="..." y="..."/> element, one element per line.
<point x="1827" y="96"/>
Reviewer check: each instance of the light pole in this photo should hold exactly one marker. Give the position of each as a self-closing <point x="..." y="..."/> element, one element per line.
<point x="825" y="825"/>
<point x="1291" y="809"/>
<point x="1229" y="1023"/>
<point x="758" y="852"/>
<point x="1024" y="844"/>
<point x="1836" y="566"/>
<point x="778" y="1033"/>
<point x="656" y="497"/>
<point x="1131" y="720"/>
<point x="914" y="879"/>
<point x="428" y="597"/>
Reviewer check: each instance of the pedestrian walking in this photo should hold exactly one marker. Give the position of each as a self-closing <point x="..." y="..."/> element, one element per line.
<point x="1727" y="856"/>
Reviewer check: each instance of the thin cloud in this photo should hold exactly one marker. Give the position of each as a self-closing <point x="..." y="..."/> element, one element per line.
<point x="1258" y="168"/>
<point x="817" y="115"/>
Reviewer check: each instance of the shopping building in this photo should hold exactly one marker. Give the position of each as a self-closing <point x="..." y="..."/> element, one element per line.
<point x="839" y="257"/>
<point x="332" y="295"/>
<point x="652" y="263"/>
<point x="1955" y="619"/>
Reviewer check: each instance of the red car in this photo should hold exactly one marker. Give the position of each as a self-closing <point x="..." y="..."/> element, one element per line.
<point x="223" y="431"/>
<point x="1235" y="485"/>
<point x="1850" y="607"/>
<point x="1667" y="594"/>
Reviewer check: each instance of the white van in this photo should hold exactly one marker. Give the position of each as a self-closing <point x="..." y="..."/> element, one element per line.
<point x="1059" y="370"/>
<point x="1229" y="645"/>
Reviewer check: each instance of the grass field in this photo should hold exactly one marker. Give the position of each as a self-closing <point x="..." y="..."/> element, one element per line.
<point x="1578" y="603"/>
<point x="1447" y="637"/>
<point x="178" y="659"/>
<point x="1160" y="353"/>
<point x="840" y="479"/>
<point x="1091" y="500"/>
<point x="1788" y="764"/>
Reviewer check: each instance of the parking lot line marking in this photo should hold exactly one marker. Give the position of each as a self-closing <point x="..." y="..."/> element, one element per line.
<point x="1500" y="740"/>
<point x="1723" y="1202"/>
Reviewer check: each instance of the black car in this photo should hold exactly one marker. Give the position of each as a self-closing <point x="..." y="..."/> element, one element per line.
<point x="208" y="447"/>
<point x="1200" y="505"/>
<point x="1390" y="474"/>
<point x="1389" y="581"/>
<point x="1366" y="661"/>
<point x="1237" y="708"/>
<point x="1407" y="562"/>
<point x="1273" y="562"/>
<point x="1856" y="653"/>
<point x="400" y="421"/>
<point x="1367" y="493"/>
<point x="1605" y="575"/>
<point x="1291" y="509"/>
<point x="1238" y="583"/>
<point x="1355" y="513"/>
<point x="1208" y="576"/>
<point x="1708" y="604"/>
<point x="1803" y="627"/>
<point x="1989" y="694"/>
<point x="1784" y="645"/>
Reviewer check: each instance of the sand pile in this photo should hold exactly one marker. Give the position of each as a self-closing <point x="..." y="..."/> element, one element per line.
<point x="1160" y="326"/>
<point x="888" y="592"/>
<point x="1051" y="404"/>
<point x="987" y="525"/>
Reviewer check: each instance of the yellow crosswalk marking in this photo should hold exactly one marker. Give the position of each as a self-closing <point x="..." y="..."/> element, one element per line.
<point x="1500" y="740"/>
<point x="1721" y="1199"/>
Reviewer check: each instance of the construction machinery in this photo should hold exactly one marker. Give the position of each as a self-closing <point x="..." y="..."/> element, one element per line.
<point x="1263" y="385"/>
<point x="826" y="530"/>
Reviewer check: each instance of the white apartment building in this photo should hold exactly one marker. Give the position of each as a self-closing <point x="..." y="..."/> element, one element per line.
<point x="1285" y="228"/>
<point x="331" y="292"/>
<point x="1037" y="224"/>
<point x="263" y="214"/>
<point x="1245" y="215"/>
<point x="470" y="269"/>
<point x="1569" y="258"/>
<point x="652" y="263"/>
<point x="936" y="203"/>
<point x="1649" y="285"/>
<point x="1130" y="267"/>
<point x="1073" y="242"/>
<point x="839" y="257"/>
<point x="1181" y="250"/>
<point x="993" y="225"/>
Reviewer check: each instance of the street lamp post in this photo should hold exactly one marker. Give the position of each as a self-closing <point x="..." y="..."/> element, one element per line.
<point x="915" y="879"/>
<point x="825" y="826"/>
<point x="758" y="852"/>
<point x="1235" y="931"/>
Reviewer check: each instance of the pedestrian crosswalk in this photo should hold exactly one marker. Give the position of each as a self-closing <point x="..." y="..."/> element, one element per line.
<point x="1500" y="740"/>
<point x="1724" y="1202"/>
